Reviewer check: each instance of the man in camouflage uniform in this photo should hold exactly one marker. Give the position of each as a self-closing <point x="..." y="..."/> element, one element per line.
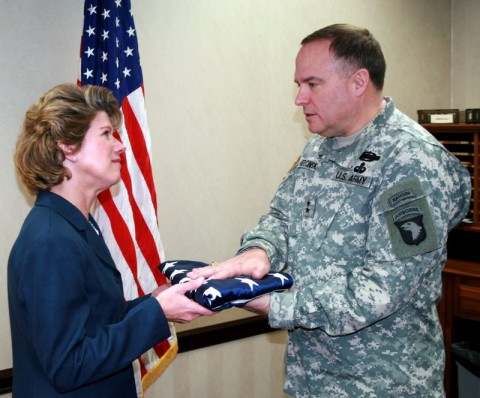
<point x="361" y="223"/>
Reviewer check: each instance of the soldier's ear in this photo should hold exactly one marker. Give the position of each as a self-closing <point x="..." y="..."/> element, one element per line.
<point x="360" y="80"/>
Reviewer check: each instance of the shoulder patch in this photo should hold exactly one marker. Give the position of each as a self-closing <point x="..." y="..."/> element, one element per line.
<point x="409" y="219"/>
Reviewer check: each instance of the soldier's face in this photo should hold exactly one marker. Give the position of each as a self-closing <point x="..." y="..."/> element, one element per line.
<point x="324" y="91"/>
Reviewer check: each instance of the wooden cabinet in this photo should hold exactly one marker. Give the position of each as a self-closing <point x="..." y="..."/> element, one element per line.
<point x="459" y="311"/>
<point x="463" y="140"/>
<point x="459" y="308"/>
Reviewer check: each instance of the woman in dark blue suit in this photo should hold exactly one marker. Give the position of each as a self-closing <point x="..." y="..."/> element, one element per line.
<point x="73" y="334"/>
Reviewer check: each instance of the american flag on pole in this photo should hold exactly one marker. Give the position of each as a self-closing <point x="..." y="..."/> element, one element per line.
<point x="127" y="213"/>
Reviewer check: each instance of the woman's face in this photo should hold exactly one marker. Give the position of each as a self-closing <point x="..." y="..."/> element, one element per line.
<point x="99" y="159"/>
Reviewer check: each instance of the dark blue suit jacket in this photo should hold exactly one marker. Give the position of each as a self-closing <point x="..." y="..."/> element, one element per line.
<point x="73" y="334"/>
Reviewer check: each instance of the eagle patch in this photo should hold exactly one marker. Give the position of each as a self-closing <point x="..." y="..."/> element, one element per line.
<point x="410" y="226"/>
<point x="409" y="219"/>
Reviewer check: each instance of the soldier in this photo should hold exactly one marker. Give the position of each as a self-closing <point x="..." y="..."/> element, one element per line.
<point x="361" y="223"/>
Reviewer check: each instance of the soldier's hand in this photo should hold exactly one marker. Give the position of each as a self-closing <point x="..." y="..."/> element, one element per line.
<point x="253" y="263"/>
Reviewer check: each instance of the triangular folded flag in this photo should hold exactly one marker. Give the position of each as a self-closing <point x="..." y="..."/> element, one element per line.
<point x="220" y="294"/>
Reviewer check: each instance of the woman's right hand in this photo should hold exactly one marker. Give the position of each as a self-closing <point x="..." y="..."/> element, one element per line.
<point x="179" y="308"/>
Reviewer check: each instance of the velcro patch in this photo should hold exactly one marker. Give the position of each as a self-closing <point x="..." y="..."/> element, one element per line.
<point x="307" y="164"/>
<point x="409" y="219"/>
<point x="350" y="177"/>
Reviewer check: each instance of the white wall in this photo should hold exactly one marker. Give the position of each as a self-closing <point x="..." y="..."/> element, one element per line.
<point x="39" y="47"/>
<point x="466" y="54"/>
<point x="219" y="88"/>
<point x="220" y="91"/>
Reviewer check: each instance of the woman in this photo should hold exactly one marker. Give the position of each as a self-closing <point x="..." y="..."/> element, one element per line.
<point x="73" y="334"/>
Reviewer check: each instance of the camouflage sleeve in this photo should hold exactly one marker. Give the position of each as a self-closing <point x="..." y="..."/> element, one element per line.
<point x="271" y="232"/>
<point x="403" y="256"/>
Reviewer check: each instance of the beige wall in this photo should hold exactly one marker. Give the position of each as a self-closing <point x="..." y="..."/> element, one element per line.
<point x="248" y="368"/>
<point x="218" y="77"/>
<point x="465" y="54"/>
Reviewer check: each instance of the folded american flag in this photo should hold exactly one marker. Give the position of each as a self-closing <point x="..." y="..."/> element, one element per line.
<point x="220" y="294"/>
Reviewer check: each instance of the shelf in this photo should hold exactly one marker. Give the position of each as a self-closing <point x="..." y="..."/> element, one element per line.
<point x="463" y="141"/>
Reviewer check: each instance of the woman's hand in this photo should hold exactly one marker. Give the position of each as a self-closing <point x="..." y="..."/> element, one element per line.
<point x="176" y="306"/>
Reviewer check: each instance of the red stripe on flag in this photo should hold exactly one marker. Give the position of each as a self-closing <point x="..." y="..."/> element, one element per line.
<point x="139" y="148"/>
<point x="159" y="349"/>
<point x="121" y="233"/>
<point x="143" y="236"/>
<point x="162" y="348"/>
<point x="143" y="369"/>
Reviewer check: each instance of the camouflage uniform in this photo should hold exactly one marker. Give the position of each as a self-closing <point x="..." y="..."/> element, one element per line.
<point x="362" y="229"/>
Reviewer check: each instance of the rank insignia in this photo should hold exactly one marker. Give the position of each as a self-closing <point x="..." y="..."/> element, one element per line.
<point x="309" y="207"/>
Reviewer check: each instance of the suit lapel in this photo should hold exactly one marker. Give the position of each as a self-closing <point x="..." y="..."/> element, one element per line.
<point x="97" y="243"/>
<point x="85" y="228"/>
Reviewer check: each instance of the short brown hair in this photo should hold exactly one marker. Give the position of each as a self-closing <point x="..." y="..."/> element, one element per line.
<point x="356" y="47"/>
<point x="62" y="115"/>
